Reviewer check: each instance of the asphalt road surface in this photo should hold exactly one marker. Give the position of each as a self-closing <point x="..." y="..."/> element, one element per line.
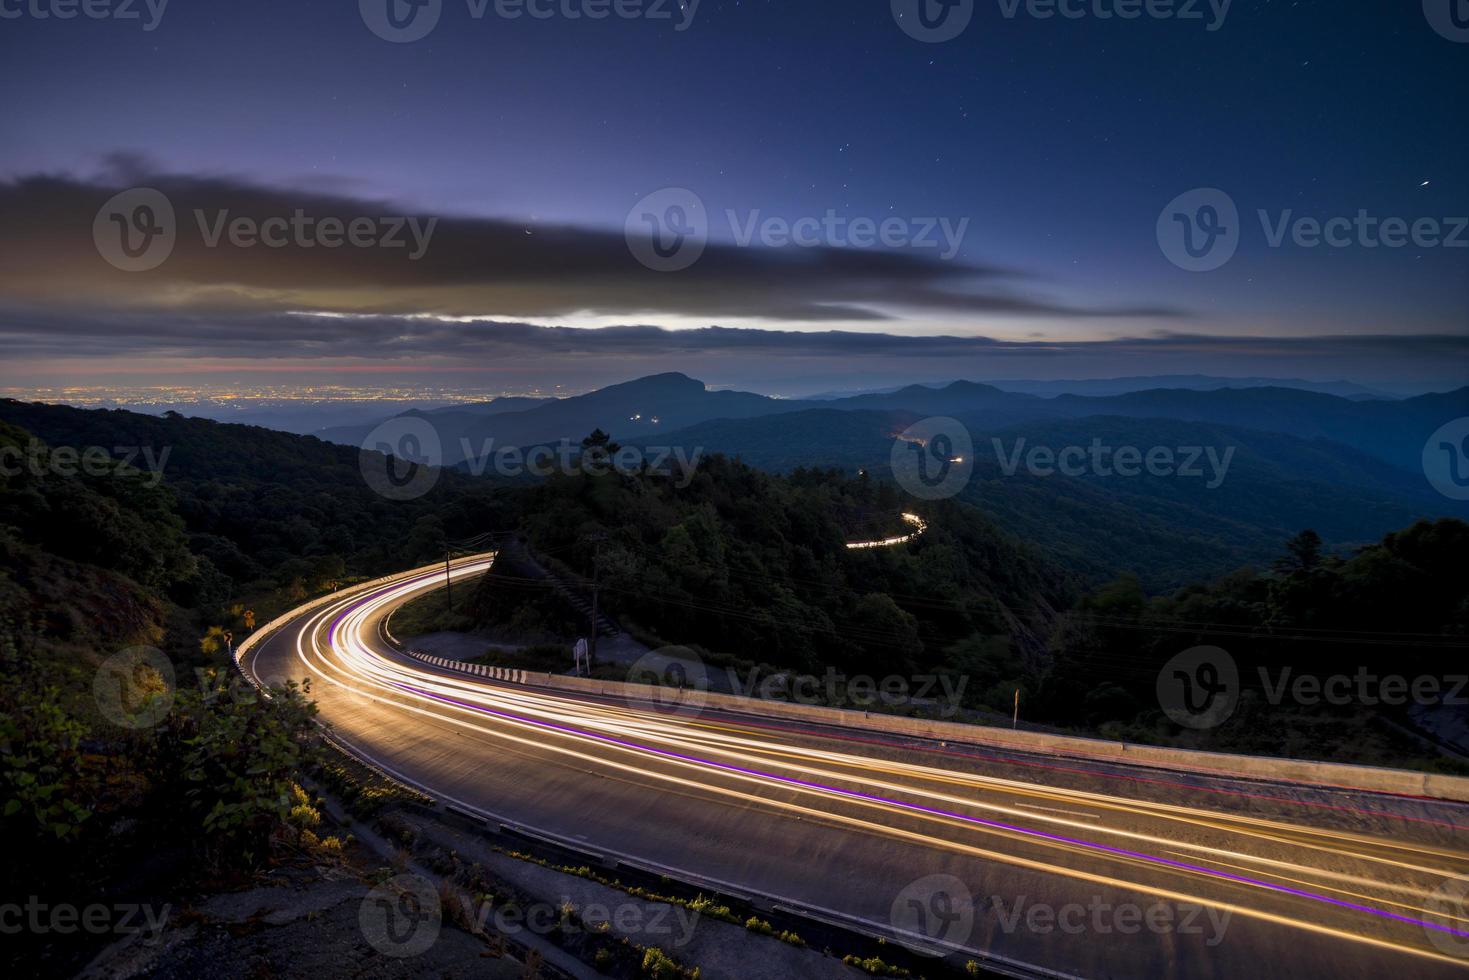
<point x="1039" y="864"/>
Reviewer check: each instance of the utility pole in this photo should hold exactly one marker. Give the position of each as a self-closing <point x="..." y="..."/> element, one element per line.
<point x="1015" y="721"/>
<point x="448" y="591"/>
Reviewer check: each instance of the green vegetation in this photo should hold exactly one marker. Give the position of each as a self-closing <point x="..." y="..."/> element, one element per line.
<point x="251" y="513"/>
<point x="129" y="750"/>
<point x="1398" y="607"/>
<point x="432" y="613"/>
<point x="739" y="562"/>
<point x="660" y="966"/>
<point x="756" y="924"/>
<point x="876" y="966"/>
<point x="362" y="791"/>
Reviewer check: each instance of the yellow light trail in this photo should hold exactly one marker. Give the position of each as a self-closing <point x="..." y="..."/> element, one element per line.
<point x="349" y="663"/>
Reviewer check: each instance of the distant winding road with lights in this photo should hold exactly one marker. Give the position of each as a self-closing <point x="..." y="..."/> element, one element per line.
<point x="895" y="835"/>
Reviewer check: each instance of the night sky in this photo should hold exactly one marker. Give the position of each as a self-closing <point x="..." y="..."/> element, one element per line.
<point x="1060" y="141"/>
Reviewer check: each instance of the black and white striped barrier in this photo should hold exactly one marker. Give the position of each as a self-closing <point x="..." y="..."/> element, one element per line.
<point x="479" y="670"/>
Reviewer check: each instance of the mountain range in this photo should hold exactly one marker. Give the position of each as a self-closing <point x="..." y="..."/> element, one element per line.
<point x="1121" y="386"/>
<point x="1349" y="467"/>
<point x="651" y="408"/>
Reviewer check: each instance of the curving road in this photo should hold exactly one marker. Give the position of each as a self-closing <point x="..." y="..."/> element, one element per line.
<point x="1042" y="865"/>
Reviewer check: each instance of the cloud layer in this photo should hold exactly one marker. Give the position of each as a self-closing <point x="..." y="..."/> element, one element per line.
<point x="467" y="300"/>
<point x="471" y="266"/>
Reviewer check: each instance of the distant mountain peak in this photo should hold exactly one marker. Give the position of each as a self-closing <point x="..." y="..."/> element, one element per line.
<point x="670" y="382"/>
<point x="970" y="386"/>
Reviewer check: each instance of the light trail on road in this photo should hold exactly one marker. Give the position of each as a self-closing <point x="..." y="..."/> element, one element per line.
<point x="1365" y="889"/>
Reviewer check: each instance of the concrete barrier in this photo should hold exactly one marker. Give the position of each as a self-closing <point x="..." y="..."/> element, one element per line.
<point x="1331" y="775"/>
<point x="509" y="675"/>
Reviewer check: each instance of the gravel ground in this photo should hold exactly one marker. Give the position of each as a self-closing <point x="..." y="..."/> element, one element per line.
<point x="293" y="929"/>
<point x="721" y="950"/>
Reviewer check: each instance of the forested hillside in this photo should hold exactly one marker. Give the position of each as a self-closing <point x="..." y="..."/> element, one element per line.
<point x="737" y="562"/>
<point x="267" y="510"/>
<point x="131" y="763"/>
<point x="745" y="562"/>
